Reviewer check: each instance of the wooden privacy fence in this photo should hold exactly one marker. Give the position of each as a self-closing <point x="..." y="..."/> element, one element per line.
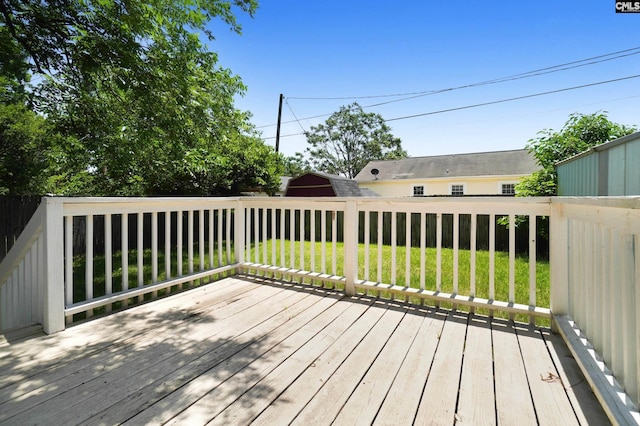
<point x="15" y="213"/>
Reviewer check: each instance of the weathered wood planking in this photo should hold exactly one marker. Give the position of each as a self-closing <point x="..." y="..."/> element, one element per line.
<point x="374" y="386"/>
<point x="299" y="393"/>
<point x="577" y="388"/>
<point x="438" y="403"/>
<point x="402" y="400"/>
<point x="513" y="403"/>
<point x="476" y="399"/>
<point x="258" y="351"/>
<point x="547" y="391"/>
<point x="327" y="402"/>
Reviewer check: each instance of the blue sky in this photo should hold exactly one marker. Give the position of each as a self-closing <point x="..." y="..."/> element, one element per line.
<point x="333" y="49"/>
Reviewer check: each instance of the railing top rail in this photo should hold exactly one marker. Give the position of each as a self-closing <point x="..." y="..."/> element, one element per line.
<point x="116" y="205"/>
<point x="626" y="202"/>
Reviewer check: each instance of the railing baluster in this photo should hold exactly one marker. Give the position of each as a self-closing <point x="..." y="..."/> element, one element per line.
<point x="380" y="241"/>
<point x="179" y="243"/>
<point x="472" y="257"/>
<point x="264" y="237"/>
<point x="212" y="242"/>
<point x="256" y="235"/>
<point x="323" y="241"/>
<point x="628" y="314"/>
<point x="394" y="244"/>
<point x="512" y="260"/>
<point x="423" y="250"/>
<point x="456" y="253"/>
<point x="229" y="237"/>
<point x="167" y="245"/>
<point x="201" y="240"/>
<point x="68" y="262"/>
<point x="154" y="252"/>
<point x="636" y="303"/>
<point x="283" y="237"/>
<point x="312" y="238"/>
<point x="140" y="231"/>
<point x="438" y="253"/>
<point x="532" y="264"/>
<point x="220" y="214"/>
<point x="124" y="253"/>
<point x="302" y="235"/>
<point x="492" y="258"/>
<point x="108" y="259"/>
<point x="334" y="241"/>
<point x="407" y="242"/>
<point x="274" y="237"/>
<point x="292" y="238"/>
<point x="190" y="242"/>
<point x="367" y="236"/>
<point x="88" y="276"/>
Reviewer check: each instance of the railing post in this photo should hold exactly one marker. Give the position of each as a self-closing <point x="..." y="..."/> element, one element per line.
<point x="238" y="232"/>
<point x="559" y="259"/>
<point x="350" y="246"/>
<point x="53" y="280"/>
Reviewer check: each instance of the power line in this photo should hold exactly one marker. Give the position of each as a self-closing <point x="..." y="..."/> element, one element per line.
<point x="294" y="115"/>
<point x="528" y="74"/>
<point x="412" y="95"/>
<point x="566" y="89"/>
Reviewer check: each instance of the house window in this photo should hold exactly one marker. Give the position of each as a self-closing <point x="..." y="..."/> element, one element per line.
<point x="418" y="191"/>
<point x="457" y="190"/>
<point x="508" y="189"/>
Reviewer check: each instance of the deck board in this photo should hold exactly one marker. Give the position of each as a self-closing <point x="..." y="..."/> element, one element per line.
<point x="248" y="350"/>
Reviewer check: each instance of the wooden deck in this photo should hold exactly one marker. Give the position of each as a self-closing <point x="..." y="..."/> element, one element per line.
<point x="242" y="351"/>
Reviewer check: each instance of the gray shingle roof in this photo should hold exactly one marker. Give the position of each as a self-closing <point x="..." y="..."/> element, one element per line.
<point x="498" y="163"/>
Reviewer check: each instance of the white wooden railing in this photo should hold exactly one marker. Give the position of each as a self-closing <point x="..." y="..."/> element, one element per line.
<point x="385" y="247"/>
<point x="403" y="220"/>
<point x="596" y="294"/>
<point x="44" y="281"/>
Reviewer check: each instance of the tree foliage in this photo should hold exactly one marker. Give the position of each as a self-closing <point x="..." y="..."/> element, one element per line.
<point x="142" y="105"/>
<point x="295" y="165"/>
<point x="580" y="132"/>
<point x="349" y="139"/>
<point x="23" y="146"/>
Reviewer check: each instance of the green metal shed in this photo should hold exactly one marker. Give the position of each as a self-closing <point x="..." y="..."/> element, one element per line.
<point x="612" y="168"/>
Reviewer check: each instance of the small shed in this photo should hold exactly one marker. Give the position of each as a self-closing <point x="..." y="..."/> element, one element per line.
<point x="316" y="184"/>
<point x="612" y="168"/>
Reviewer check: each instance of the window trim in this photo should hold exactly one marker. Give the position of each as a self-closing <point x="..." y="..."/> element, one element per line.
<point x="501" y="189"/>
<point x="464" y="189"/>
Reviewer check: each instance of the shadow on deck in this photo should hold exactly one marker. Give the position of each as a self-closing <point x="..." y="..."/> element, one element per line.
<point x="247" y="350"/>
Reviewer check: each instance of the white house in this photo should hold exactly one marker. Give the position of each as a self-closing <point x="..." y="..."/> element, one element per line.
<point x="484" y="173"/>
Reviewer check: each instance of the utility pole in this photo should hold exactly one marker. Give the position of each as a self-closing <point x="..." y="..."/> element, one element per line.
<point x="279" y="119"/>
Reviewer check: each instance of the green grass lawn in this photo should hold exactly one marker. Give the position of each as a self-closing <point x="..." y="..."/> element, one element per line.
<point x="464" y="256"/>
<point x="482" y="270"/>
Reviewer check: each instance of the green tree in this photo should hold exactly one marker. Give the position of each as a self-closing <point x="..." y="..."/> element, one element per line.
<point x="295" y="165"/>
<point x="580" y="132"/>
<point x="349" y="139"/>
<point x="23" y="146"/>
<point x="142" y="105"/>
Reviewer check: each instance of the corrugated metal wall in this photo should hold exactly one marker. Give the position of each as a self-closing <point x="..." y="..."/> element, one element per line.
<point x="611" y="169"/>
